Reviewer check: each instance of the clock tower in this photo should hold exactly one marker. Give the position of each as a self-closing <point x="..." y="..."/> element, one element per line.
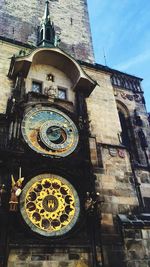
<point x="48" y="158"/>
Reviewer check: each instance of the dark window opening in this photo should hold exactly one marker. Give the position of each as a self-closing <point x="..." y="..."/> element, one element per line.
<point x="62" y="93"/>
<point x="142" y="138"/>
<point x="124" y="134"/>
<point x="36" y="87"/>
<point x="41" y="35"/>
<point x="127" y="136"/>
<point x="48" y="36"/>
<point x="147" y="204"/>
<point x="138" y="121"/>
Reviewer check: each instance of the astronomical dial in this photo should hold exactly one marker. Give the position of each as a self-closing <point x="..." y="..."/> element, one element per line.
<point x="50" y="205"/>
<point x="50" y="132"/>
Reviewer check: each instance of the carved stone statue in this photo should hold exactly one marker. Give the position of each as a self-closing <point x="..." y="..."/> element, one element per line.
<point x="51" y="91"/>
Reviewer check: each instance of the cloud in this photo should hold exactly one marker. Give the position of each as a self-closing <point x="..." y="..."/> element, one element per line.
<point x="134" y="61"/>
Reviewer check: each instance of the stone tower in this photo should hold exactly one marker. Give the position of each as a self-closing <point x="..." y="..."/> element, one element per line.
<point x="20" y="21"/>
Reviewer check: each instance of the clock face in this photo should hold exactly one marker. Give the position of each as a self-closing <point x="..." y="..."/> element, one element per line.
<point x="50" y="205"/>
<point x="50" y="132"/>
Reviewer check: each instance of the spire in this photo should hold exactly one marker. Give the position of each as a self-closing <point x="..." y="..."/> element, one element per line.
<point x="46" y="13"/>
<point x="47" y="35"/>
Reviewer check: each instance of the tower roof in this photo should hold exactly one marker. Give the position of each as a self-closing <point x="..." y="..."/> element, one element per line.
<point x="47" y="35"/>
<point x="46" y="17"/>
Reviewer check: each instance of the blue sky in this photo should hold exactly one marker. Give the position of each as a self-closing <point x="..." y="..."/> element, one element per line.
<point x="121" y="28"/>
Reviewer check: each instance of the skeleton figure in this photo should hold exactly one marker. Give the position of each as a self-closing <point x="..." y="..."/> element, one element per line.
<point x="15" y="193"/>
<point x="92" y="202"/>
<point x="89" y="203"/>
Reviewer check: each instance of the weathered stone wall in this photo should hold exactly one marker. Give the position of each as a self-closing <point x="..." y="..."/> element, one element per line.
<point x="114" y="174"/>
<point x="144" y="180"/>
<point x="102" y="110"/>
<point x="19" y="21"/>
<point x="7" y="51"/>
<point x="137" y="247"/>
<point x="49" y="257"/>
<point x="118" y="195"/>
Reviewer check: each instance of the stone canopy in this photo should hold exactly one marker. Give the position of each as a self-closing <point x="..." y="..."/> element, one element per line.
<point x="57" y="58"/>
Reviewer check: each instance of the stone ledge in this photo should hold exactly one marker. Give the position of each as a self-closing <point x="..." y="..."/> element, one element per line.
<point x="140" y="221"/>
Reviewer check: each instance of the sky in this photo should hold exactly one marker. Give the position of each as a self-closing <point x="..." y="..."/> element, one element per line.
<point x="121" y="31"/>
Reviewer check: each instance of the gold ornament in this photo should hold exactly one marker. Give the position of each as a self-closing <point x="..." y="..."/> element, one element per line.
<point x="15" y="191"/>
<point x="50" y="205"/>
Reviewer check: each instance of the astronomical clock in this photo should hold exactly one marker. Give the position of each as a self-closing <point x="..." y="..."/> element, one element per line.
<point x="50" y="132"/>
<point x="50" y="205"/>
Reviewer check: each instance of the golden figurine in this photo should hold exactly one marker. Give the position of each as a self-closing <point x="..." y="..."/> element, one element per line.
<point x="15" y="191"/>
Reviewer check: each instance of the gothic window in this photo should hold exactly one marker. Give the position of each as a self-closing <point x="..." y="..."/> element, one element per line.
<point x="124" y="134"/>
<point x="127" y="132"/>
<point x="36" y="87"/>
<point x="142" y="138"/>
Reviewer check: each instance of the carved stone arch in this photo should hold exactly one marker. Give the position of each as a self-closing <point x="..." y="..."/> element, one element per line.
<point x="122" y="108"/>
<point x="124" y="118"/>
<point x="128" y="138"/>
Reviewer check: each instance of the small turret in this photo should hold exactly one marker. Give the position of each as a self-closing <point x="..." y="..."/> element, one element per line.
<point x="47" y="35"/>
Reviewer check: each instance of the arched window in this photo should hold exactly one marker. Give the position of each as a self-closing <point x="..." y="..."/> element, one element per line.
<point x="124" y="127"/>
<point x="128" y="138"/>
